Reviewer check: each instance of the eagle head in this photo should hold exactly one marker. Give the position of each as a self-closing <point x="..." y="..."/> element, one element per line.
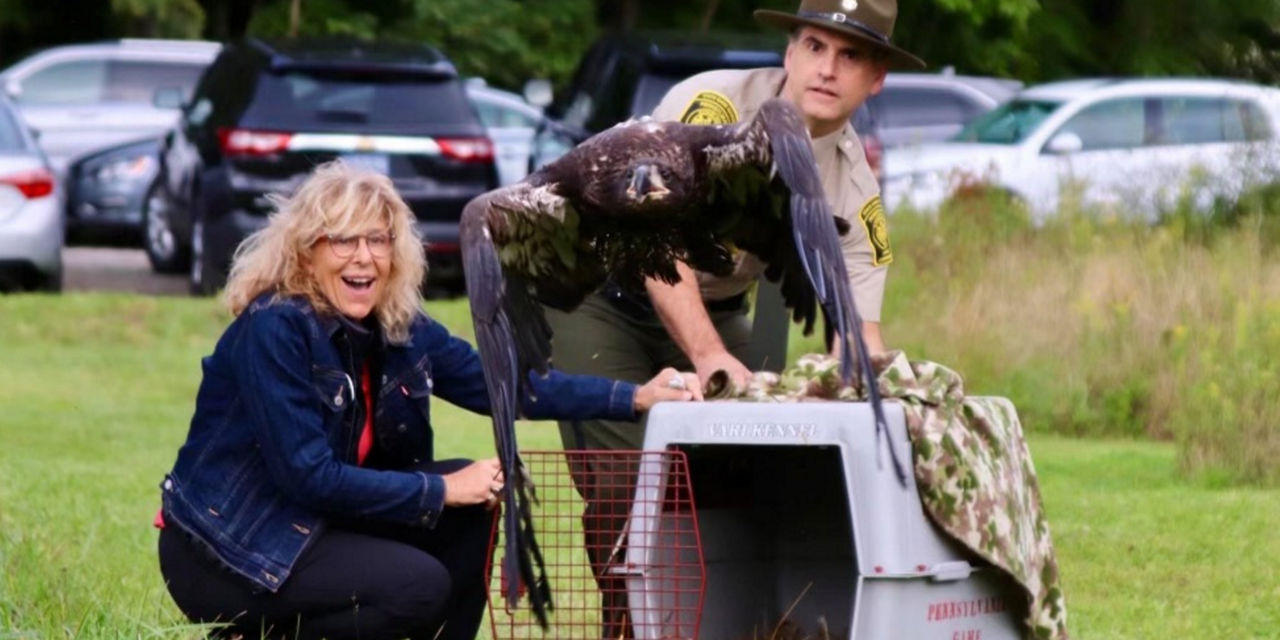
<point x="645" y="183"/>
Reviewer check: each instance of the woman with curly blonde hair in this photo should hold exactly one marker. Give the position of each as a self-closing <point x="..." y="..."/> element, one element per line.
<point x="307" y="500"/>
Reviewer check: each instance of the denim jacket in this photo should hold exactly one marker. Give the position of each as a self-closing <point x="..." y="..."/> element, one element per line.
<point x="271" y="451"/>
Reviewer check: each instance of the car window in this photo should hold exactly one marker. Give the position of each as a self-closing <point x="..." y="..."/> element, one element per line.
<point x="1009" y="123"/>
<point x="78" y="82"/>
<point x="10" y="136"/>
<point x="137" y="81"/>
<point x="1210" y="120"/>
<point x="651" y="89"/>
<point x="920" y="107"/>
<point x="493" y="114"/>
<point x="615" y="100"/>
<point x="296" y="99"/>
<point x="1111" y="124"/>
<point x="1253" y="122"/>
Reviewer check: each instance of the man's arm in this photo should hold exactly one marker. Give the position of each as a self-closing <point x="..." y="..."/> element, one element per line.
<point x="682" y="312"/>
<point x="871" y="334"/>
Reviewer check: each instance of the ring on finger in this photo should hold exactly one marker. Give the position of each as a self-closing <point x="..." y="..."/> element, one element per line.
<point x="677" y="382"/>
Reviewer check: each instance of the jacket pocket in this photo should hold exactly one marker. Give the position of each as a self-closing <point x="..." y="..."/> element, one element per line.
<point x="404" y="416"/>
<point x="334" y="388"/>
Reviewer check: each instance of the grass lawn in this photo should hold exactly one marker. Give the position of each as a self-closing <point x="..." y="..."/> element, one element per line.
<point x="96" y="392"/>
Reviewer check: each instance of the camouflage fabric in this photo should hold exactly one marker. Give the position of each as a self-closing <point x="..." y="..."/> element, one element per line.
<point x="972" y="466"/>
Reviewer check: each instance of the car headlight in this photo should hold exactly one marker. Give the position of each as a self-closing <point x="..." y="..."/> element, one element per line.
<point x="126" y="169"/>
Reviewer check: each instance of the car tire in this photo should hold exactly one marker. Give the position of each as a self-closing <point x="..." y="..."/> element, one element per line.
<point x="205" y="277"/>
<point x="50" y="282"/>
<point x="165" y="252"/>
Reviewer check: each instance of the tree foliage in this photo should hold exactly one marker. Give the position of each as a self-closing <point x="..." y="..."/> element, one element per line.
<point x="160" y="18"/>
<point x="508" y="41"/>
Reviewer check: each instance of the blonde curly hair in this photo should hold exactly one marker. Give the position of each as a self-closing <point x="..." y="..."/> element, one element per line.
<point x="335" y="199"/>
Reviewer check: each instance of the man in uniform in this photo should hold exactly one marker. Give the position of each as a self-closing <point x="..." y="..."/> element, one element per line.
<point x="837" y="55"/>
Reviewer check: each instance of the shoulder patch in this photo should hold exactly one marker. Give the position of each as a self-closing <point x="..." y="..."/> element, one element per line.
<point x="710" y="107"/>
<point x="872" y="217"/>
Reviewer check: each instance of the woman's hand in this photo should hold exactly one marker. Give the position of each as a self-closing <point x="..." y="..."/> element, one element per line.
<point x="669" y="384"/>
<point x="480" y="482"/>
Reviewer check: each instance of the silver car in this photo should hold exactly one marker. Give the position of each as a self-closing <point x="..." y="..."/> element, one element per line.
<point x="30" y="211"/>
<point x="918" y="108"/>
<point x="85" y="97"/>
<point x="511" y="123"/>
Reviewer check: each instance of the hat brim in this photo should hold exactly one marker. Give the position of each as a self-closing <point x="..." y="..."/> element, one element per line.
<point x="898" y="58"/>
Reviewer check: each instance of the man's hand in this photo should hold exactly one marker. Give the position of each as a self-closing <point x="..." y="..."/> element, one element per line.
<point x="721" y="360"/>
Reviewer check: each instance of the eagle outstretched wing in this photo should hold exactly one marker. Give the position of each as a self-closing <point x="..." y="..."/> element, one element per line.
<point x="514" y="342"/>
<point x="812" y="266"/>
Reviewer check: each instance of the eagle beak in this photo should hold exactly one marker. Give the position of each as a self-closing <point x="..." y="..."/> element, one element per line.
<point x="646" y="183"/>
<point x="639" y="185"/>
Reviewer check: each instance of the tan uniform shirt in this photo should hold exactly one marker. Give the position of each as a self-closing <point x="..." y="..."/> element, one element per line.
<point x="722" y="97"/>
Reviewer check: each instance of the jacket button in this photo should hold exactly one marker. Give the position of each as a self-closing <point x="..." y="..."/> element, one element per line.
<point x="168" y="484"/>
<point x="401" y="427"/>
<point x="338" y="399"/>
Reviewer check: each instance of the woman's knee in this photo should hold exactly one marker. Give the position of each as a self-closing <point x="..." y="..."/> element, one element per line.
<point x="418" y="594"/>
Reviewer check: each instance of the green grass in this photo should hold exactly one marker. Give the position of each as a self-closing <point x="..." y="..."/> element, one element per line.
<point x="96" y="392"/>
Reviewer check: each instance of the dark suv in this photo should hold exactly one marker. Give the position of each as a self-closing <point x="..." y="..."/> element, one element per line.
<point x="626" y="76"/>
<point x="264" y="114"/>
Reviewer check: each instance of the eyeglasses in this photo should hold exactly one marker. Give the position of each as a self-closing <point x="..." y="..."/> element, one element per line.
<point x="379" y="243"/>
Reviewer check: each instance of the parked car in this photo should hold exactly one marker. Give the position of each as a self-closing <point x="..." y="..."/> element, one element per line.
<point x="1134" y="145"/>
<point x="86" y="97"/>
<point x="622" y="77"/>
<point x="511" y="122"/>
<point x="917" y="108"/>
<point x="30" y="210"/>
<point x="265" y="113"/>
<point x="106" y="190"/>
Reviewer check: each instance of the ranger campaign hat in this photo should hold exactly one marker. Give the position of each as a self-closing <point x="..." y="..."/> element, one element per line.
<point x="868" y="20"/>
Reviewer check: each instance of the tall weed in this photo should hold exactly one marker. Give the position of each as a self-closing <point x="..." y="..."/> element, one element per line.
<point x="1096" y="324"/>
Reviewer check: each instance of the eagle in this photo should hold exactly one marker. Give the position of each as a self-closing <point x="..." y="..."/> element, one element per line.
<point x="625" y="205"/>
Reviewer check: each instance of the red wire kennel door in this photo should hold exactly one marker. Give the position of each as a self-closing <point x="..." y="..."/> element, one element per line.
<point x="619" y="534"/>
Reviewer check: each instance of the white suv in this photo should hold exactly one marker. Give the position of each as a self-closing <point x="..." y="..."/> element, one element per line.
<point x="1134" y="147"/>
<point x="84" y="97"/>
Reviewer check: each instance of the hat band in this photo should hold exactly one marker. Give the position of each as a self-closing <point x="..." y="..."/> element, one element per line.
<point x="841" y="18"/>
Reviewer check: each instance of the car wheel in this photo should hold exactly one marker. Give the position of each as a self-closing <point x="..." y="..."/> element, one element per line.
<point x="50" y="282"/>
<point x="204" y="279"/>
<point x="166" y="254"/>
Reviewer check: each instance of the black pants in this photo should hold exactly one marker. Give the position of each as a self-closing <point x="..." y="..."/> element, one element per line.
<point x="357" y="580"/>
